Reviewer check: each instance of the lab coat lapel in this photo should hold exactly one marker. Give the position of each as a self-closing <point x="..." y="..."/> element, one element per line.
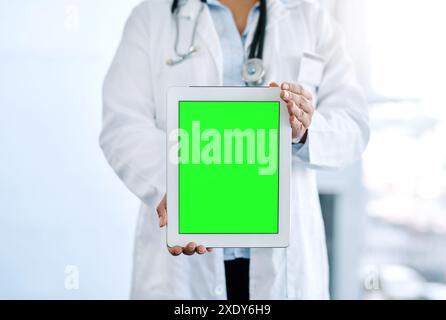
<point x="206" y="33"/>
<point x="276" y="12"/>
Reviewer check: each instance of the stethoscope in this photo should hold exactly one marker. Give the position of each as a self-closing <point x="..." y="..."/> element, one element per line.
<point x="253" y="70"/>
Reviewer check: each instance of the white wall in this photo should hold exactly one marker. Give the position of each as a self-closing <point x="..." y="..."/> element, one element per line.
<point x="60" y="203"/>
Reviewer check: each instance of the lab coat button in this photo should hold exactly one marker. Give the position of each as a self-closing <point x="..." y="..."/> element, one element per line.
<point x="219" y="290"/>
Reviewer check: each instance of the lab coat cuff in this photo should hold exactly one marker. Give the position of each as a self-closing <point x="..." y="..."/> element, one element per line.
<point x="325" y="147"/>
<point x="302" y="151"/>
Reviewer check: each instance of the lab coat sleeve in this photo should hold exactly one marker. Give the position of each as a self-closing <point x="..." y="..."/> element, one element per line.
<point x="339" y="131"/>
<point x="132" y="143"/>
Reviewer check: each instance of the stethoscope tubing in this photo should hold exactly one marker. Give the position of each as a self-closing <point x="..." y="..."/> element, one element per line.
<point x="252" y="78"/>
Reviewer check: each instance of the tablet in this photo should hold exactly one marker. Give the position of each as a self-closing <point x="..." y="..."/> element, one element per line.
<point x="228" y="170"/>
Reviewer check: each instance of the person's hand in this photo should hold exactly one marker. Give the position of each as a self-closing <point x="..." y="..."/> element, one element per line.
<point x="191" y="248"/>
<point x="300" y="108"/>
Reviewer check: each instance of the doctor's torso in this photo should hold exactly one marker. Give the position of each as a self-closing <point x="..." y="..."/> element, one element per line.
<point x="283" y="50"/>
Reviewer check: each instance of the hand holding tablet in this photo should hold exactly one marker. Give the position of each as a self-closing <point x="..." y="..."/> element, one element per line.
<point x="299" y="102"/>
<point x="229" y="165"/>
<point x="190" y="248"/>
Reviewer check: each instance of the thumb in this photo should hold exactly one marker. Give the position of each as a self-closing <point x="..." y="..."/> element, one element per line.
<point x="162" y="213"/>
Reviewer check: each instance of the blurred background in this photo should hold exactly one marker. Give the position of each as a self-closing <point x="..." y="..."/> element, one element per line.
<point x="67" y="222"/>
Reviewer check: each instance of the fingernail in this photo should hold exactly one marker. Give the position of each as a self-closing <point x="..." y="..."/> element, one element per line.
<point x="285" y="95"/>
<point x="285" y="86"/>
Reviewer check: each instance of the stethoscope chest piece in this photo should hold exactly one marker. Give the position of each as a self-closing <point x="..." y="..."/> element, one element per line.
<point x="253" y="72"/>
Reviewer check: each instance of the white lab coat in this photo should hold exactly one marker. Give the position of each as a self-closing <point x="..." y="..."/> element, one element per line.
<point x="134" y="142"/>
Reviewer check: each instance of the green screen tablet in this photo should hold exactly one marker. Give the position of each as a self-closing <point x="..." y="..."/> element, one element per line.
<point x="228" y="171"/>
<point x="229" y="163"/>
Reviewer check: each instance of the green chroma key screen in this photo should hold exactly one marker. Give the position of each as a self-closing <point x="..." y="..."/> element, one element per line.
<point x="229" y="167"/>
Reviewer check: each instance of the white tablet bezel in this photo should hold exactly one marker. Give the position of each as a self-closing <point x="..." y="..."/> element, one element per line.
<point x="279" y="240"/>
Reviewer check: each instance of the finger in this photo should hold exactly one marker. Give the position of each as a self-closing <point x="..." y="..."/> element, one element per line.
<point x="274" y="84"/>
<point x="209" y="249"/>
<point x="163" y="220"/>
<point x="294" y="127"/>
<point x="303" y="117"/>
<point x="288" y="96"/>
<point x="306" y="105"/>
<point x="189" y="249"/>
<point x="300" y="101"/>
<point x="162" y="215"/>
<point x="292" y="108"/>
<point x="297" y="128"/>
<point x="175" y="251"/>
<point x="298" y="89"/>
<point x="201" y="249"/>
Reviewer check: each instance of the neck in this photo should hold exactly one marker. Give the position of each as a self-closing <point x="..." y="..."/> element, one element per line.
<point x="240" y="10"/>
